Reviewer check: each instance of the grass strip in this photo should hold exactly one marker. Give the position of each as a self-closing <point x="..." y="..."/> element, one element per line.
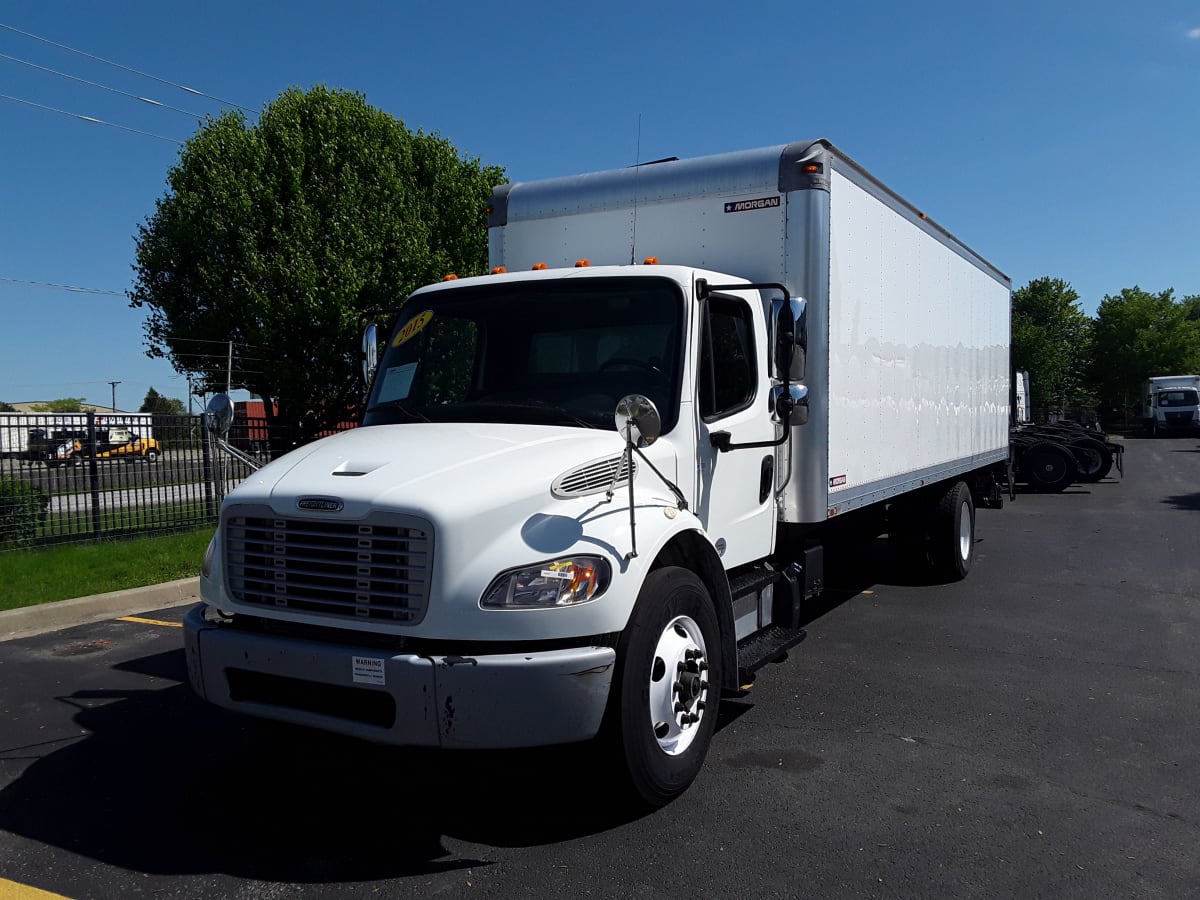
<point x="31" y="577"/>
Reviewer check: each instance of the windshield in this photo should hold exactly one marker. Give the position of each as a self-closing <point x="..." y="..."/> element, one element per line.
<point x="1183" y="397"/>
<point x="559" y="352"/>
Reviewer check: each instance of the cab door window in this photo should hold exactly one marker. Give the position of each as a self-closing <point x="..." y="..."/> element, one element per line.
<point x="727" y="366"/>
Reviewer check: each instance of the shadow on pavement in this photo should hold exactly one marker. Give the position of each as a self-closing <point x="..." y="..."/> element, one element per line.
<point x="164" y="783"/>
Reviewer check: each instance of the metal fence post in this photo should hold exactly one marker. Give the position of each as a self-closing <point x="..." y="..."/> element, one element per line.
<point x="94" y="476"/>
<point x="209" y="506"/>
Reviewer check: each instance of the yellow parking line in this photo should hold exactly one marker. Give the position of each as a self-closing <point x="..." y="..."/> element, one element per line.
<point x="144" y="622"/>
<point x="10" y="890"/>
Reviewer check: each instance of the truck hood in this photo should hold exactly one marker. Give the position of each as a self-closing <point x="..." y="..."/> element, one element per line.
<point x="441" y="471"/>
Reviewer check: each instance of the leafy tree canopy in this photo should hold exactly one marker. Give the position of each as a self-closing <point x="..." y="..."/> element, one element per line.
<point x="7" y="407"/>
<point x="164" y="406"/>
<point x="1051" y="340"/>
<point x="62" y="405"/>
<point x="287" y="236"/>
<point x="1138" y="335"/>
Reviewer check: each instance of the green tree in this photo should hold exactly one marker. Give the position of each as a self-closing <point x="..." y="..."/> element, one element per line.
<point x="1051" y="339"/>
<point x="7" y="407"/>
<point x="287" y="236"/>
<point x="164" y="406"/>
<point x="1138" y="334"/>
<point x="62" y="405"/>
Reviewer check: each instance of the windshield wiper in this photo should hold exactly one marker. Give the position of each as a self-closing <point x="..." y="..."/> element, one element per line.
<point x="400" y="406"/>
<point x="540" y="406"/>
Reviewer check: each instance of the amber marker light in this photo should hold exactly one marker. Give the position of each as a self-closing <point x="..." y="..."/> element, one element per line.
<point x="650" y="261"/>
<point x="499" y="270"/>
<point x="450" y="277"/>
<point x="538" y="267"/>
<point x="582" y="263"/>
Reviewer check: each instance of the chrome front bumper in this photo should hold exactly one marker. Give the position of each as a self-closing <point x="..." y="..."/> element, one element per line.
<point x="493" y="701"/>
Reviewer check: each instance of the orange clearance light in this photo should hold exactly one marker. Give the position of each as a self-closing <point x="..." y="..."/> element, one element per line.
<point x="812" y="169"/>
<point x="650" y="261"/>
<point x="537" y="267"/>
<point x="499" y="270"/>
<point x="450" y="277"/>
<point x="582" y="263"/>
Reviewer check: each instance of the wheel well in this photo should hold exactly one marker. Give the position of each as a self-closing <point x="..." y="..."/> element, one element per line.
<point x="690" y="550"/>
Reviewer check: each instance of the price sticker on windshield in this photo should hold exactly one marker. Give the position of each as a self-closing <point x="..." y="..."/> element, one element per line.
<point x="413" y="327"/>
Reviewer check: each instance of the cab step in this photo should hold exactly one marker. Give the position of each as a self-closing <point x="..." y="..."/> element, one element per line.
<point x="756" y="650"/>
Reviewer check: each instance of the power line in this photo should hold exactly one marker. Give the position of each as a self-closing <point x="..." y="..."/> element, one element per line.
<point x="63" y="112"/>
<point x="61" y="287"/>
<point x="109" y="62"/>
<point x="103" y="87"/>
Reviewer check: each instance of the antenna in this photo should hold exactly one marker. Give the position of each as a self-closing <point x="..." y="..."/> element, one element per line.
<point x="637" y="169"/>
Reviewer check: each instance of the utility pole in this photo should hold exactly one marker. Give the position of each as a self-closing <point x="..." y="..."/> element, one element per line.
<point x="114" y="394"/>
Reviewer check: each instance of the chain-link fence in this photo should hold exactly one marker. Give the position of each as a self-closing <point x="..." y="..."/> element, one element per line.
<point x="88" y="476"/>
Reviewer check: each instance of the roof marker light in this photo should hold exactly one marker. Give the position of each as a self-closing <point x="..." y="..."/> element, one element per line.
<point x="582" y="263"/>
<point x="499" y="270"/>
<point x="538" y="267"/>
<point x="650" y="261"/>
<point x="450" y="277"/>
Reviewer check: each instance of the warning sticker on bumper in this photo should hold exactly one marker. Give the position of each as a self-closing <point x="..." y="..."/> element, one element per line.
<point x="367" y="670"/>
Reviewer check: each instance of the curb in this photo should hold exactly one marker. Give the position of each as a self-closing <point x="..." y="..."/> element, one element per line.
<point x="31" y="620"/>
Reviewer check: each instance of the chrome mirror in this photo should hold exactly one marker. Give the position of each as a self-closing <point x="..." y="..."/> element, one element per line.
<point x="218" y="416"/>
<point x="370" y="349"/>
<point x="638" y="420"/>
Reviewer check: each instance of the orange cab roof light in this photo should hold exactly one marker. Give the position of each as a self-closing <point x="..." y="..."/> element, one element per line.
<point x="538" y="267"/>
<point x="499" y="270"/>
<point x="582" y="263"/>
<point x="650" y="261"/>
<point x="450" y="277"/>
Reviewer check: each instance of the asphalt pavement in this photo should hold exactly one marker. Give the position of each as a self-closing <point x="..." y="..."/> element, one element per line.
<point x="1029" y="732"/>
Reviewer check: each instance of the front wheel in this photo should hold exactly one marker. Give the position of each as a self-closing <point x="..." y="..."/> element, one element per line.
<point x="667" y="686"/>
<point x="150" y="455"/>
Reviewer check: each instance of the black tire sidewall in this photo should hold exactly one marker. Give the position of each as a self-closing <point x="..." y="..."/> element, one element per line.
<point x="654" y="776"/>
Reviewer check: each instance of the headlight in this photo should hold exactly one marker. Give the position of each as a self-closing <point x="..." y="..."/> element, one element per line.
<point x="561" y="582"/>
<point x="206" y="566"/>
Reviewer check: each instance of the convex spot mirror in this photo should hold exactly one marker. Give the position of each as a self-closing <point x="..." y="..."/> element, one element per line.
<point x="638" y="419"/>
<point x="370" y="349"/>
<point x="218" y="416"/>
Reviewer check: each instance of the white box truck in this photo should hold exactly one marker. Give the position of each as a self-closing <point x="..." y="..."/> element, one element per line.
<point x="1172" y="404"/>
<point x="591" y="490"/>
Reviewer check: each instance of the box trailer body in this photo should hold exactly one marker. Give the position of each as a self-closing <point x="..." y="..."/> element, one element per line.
<point x="597" y="494"/>
<point x="908" y="329"/>
<point x="1172" y="404"/>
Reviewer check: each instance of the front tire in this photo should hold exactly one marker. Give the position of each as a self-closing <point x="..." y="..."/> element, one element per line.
<point x="667" y="686"/>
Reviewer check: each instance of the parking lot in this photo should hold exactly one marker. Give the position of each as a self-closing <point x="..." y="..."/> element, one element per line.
<point x="1030" y="732"/>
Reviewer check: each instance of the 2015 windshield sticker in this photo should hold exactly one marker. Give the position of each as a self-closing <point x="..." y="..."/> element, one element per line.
<point x="750" y="205"/>
<point x="413" y="327"/>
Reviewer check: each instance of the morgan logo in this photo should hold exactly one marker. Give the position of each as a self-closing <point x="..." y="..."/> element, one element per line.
<point x="323" y="504"/>
<point x="748" y="205"/>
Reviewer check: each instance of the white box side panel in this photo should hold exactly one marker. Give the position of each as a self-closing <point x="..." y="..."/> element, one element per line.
<point x="918" y="348"/>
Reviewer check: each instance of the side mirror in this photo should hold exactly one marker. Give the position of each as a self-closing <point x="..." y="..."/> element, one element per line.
<point x="370" y="349"/>
<point x="218" y="416"/>
<point x="792" y="407"/>
<point x="638" y="419"/>
<point x="790" y="327"/>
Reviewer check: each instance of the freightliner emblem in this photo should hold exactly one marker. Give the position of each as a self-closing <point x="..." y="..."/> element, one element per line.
<point x="325" y="504"/>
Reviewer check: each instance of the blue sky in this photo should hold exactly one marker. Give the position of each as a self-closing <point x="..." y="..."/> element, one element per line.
<point x="1057" y="137"/>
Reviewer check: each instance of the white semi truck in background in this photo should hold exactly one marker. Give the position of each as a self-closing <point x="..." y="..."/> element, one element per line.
<point x="592" y="490"/>
<point x="1172" y="404"/>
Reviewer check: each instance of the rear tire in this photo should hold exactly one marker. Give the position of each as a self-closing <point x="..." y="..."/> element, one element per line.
<point x="1047" y="467"/>
<point x="953" y="533"/>
<point x="666" y="689"/>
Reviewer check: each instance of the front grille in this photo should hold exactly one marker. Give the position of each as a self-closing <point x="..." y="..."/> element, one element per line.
<point x="376" y="569"/>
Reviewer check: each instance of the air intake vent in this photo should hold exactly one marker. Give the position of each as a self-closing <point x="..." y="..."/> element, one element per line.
<point x="594" y="477"/>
